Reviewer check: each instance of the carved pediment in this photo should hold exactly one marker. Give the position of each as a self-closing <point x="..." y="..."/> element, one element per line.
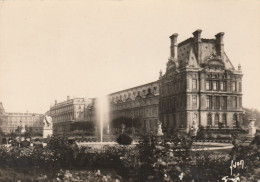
<point x="215" y="61"/>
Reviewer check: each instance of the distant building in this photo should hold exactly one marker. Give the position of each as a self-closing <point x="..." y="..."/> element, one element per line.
<point x="65" y="113"/>
<point x="11" y="122"/>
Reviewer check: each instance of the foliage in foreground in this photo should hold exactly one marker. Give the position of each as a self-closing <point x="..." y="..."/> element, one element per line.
<point x="153" y="159"/>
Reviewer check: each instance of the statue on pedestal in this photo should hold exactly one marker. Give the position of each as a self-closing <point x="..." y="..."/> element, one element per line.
<point x="23" y="129"/>
<point x="159" y="130"/>
<point x="47" y="126"/>
<point x="251" y="127"/>
<point x="194" y="128"/>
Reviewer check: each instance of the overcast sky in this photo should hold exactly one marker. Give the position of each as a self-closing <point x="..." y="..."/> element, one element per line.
<point x="51" y="49"/>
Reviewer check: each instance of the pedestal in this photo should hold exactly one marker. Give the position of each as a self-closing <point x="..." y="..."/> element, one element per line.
<point x="47" y="133"/>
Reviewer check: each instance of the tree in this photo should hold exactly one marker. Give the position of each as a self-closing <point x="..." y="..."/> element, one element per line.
<point x="251" y="113"/>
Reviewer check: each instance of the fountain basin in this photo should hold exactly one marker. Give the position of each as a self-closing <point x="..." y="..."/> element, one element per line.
<point x="197" y="146"/>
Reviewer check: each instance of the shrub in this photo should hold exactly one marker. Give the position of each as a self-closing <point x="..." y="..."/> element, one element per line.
<point x="124" y="139"/>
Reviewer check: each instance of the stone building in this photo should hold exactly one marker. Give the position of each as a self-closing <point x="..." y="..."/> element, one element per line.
<point x="65" y="113"/>
<point x="138" y="103"/>
<point x="200" y="85"/>
<point x="11" y="122"/>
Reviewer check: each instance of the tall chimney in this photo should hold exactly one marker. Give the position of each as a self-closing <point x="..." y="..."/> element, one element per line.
<point x="197" y="35"/>
<point x="220" y="44"/>
<point x="174" y="46"/>
<point x="68" y="97"/>
<point x="197" y="44"/>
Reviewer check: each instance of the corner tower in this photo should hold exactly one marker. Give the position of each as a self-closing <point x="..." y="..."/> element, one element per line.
<point x="200" y="86"/>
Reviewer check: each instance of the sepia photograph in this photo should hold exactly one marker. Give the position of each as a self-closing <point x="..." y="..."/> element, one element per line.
<point x="129" y="91"/>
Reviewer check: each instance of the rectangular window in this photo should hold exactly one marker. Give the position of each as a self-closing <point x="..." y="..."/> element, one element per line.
<point x="194" y="84"/>
<point x="214" y="85"/>
<point x="240" y="87"/>
<point x="234" y="86"/>
<point x="217" y="102"/>
<point x="214" y="102"/>
<point x="209" y="120"/>
<point x="208" y="101"/>
<point x="188" y="84"/>
<point x="221" y="86"/>
<point x="216" y="120"/>
<point x="194" y="101"/>
<point x="207" y="85"/>
<point x="234" y="99"/>
<point x="224" y="119"/>
<point x="224" y="102"/>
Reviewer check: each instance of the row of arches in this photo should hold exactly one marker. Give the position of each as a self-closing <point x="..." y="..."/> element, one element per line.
<point x="221" y="119"/>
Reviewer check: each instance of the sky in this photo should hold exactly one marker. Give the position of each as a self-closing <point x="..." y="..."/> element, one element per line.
<point x="50" y="49"/>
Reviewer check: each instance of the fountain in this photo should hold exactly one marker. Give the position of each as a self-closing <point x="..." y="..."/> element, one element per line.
<point x="103" y="112"/>
<point x="103" y="121"/>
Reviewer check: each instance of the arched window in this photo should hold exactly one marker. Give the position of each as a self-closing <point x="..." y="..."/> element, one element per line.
<point x="209" y="120"/>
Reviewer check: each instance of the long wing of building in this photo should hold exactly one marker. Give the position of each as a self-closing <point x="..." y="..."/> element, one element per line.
<point x="199" y="87"/>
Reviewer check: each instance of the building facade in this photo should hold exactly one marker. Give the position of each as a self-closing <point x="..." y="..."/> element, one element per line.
<point x="11" y="122"/>
<point x="67" y="112"/>
<point x="139" y="104"/>
<point x="200" y="85"/>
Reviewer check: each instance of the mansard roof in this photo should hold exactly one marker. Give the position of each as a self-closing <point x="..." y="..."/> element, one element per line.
<point x="188" y="56"/>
